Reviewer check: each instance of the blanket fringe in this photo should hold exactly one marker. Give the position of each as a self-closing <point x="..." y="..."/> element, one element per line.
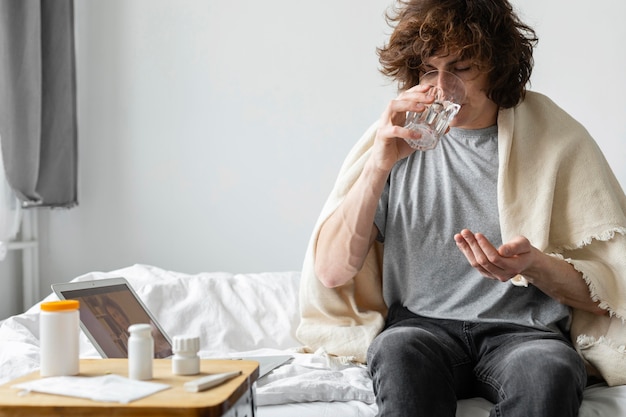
<point x="585" y="342"/>
<point x="603" y="237"/>
<point x="608" y="235"/>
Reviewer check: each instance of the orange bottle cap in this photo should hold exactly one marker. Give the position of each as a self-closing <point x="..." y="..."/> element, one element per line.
<point x="62" y="305"/>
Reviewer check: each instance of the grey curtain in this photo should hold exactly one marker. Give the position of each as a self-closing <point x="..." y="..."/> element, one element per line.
<point x="38" y="132"/>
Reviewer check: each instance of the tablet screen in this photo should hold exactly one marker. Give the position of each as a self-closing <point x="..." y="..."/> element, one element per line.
<point x="107" y="312"/>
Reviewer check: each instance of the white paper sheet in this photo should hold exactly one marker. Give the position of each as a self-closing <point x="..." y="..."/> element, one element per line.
<point x="107" y="388"/>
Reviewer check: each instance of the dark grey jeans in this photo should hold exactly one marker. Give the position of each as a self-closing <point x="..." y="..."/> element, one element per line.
<point x="421" y="367"/>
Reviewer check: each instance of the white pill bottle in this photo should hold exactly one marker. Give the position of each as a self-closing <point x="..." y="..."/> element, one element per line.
<point x="140" y="352"/>
<point x="59" y="328"/>
<point x="186" y="360"/>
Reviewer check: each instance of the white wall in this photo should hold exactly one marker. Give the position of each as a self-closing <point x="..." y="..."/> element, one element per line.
<point x="211" y="131"/>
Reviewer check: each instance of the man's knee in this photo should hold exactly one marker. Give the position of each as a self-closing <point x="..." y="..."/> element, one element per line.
<point x="402" y="345"/>
<point x="545" y="366"/>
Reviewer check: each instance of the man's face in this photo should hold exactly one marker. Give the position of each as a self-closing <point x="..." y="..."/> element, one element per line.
<point x="477" y="111"/>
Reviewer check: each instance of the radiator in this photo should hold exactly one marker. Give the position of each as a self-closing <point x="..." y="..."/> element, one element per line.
<point x="29" y="247"/>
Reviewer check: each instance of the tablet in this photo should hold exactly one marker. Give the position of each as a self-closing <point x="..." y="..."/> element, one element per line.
<point x="107" y="308"/>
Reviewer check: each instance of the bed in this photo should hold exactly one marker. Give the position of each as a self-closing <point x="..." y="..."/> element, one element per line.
<point x="251" y="314"/>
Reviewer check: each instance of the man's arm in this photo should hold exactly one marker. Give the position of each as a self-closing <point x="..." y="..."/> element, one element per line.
<point x="347" y="235"/>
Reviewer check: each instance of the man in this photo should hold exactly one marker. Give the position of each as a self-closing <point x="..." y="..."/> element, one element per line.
<point x="493" y="201"/>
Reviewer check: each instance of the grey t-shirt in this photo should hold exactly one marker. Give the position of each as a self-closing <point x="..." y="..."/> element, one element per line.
<point x="429" y="197"/>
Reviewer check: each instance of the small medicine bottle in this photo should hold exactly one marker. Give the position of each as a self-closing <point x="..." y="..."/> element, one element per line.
<point x="59" y="329"/>
<point x="186" y="360"/>
<point x="140" y="352"/>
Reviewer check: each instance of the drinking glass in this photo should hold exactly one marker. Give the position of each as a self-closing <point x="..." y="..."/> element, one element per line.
<point x="448" y="91"/>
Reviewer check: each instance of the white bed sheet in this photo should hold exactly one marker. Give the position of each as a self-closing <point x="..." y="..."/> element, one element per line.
<point x="251" y="314"/>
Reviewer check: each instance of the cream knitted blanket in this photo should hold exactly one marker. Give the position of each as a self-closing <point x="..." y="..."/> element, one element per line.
<point x="554" y="187"/>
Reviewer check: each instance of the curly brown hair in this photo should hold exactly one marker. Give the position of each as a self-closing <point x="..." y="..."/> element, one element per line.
<point x="487" y="32"/>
